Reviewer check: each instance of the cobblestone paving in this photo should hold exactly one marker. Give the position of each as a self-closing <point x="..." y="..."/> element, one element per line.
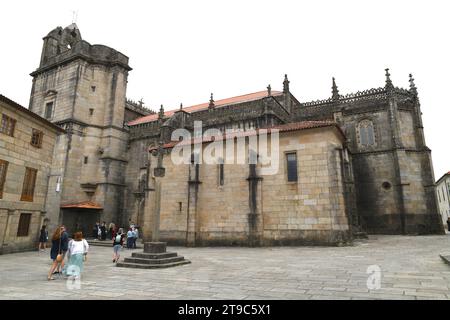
<point x="410" y="269"/>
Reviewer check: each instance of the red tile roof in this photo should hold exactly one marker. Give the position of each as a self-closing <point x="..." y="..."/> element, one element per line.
<point x="83" y="205"/>
<point x="204" y="106"/>
<point x="280" y="128"/>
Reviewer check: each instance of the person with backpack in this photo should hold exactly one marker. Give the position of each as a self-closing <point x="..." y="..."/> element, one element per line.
<point x="117" y="245"/>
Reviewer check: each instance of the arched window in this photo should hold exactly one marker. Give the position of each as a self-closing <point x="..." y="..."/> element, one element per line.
<point x="366" y="133"/>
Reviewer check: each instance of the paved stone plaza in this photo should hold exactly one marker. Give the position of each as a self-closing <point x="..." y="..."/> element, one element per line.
<point x="410" y="269"/>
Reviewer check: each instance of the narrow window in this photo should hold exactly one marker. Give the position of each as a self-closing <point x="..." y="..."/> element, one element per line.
<point x="363" y="136"/>
<point x="291" y="167"/>
<point x="24" y="225"/>
<point x="366" y="133"/>
<point x="91" y="111"/>
<point x="370" y="136"/>
<point x="36" y="138"/>
<point x="3" y="169"/>
<point x="86" y="160"/>
<point x="48" y="110"/>
<point x="221" y="174"/>
<point x="29" y="183"/>
<point x="93" y="88"/>
<point x="180" y="206"/>
<point x="8" y="125"/>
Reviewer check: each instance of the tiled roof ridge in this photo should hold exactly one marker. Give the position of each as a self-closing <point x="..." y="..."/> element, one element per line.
<point x="204" y="106"/>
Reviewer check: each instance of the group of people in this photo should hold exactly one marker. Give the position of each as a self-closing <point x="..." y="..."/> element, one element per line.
<point x="76" y="250"/>
<point x="99" y="232"/>
<point x="132" y="236"/>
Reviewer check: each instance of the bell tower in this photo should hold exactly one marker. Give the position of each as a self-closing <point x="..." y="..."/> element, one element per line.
<point x="82" y="88"/>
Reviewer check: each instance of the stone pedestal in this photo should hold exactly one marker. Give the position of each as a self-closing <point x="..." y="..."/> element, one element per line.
<point x="154" y="256"/>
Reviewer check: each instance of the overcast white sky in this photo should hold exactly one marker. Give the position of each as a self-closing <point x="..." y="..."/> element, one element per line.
<point x="181" y="51"/>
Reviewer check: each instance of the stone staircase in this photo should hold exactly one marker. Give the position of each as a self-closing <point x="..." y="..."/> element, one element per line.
<point x="108" y="243"/>
<point x="153" y="257"/>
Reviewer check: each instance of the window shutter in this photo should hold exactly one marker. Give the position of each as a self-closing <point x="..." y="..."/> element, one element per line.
<point x="29" y="182"/>
<point x="24" y="225"/>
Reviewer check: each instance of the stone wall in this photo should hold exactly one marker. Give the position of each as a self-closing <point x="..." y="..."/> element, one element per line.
<point x="310" y="211"/>
<point x="393" y="178"/>
<point x="19" y="154"/>
<point x="89" y="96"/>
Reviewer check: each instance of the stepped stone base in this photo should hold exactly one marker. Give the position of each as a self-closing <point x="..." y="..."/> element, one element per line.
<point x="153" y="257"/>
<point x="445" y="258"/>
<point x="360" y="235"/>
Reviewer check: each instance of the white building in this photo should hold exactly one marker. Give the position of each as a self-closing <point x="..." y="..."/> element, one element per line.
<point x="443" y="195"/>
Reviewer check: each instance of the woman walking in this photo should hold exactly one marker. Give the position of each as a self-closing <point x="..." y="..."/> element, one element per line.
<point x="43" y="238"/>
<point x="56" y="252"/>
<point x="78" y="250"/>
<point x="117" y="245"/>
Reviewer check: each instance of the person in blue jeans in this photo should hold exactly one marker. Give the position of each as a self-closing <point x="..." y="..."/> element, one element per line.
<point x="118" y="244"/>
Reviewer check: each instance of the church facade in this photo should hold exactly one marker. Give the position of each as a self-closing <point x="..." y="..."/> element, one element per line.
<point x="364" y="167"/>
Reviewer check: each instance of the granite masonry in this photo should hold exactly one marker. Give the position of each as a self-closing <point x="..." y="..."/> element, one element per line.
<point x="362" y="162"/>
<point x="27" y="143"/>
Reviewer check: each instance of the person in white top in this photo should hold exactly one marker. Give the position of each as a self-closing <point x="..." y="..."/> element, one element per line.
<point x="77" y="253"/>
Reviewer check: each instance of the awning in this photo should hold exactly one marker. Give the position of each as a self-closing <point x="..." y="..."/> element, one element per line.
<point x="83" y="205"/>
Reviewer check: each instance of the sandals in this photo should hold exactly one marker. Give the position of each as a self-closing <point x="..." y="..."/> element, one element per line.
<point x="50" y="278"/>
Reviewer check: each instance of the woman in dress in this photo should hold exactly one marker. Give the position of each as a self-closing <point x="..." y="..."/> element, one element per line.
<point x="43" y="238"/>
<point x="56" y="251"/>
<point x="78" y="250"/>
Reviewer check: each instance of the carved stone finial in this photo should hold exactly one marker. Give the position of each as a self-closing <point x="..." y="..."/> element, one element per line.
<point x="211" y="102"/>
<point x="269" y="90"/>
<point x="412" y="85"/>
<point x="389" y="84"/>
<point x="161" y="112"/>
<point x="181" y="106"/>
<point x="335" y="91"/>
<point x="141" y="102"/>
<point x="286" y="84"/>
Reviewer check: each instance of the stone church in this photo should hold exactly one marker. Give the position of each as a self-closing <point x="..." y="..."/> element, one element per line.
<point x="349" y="164"/>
